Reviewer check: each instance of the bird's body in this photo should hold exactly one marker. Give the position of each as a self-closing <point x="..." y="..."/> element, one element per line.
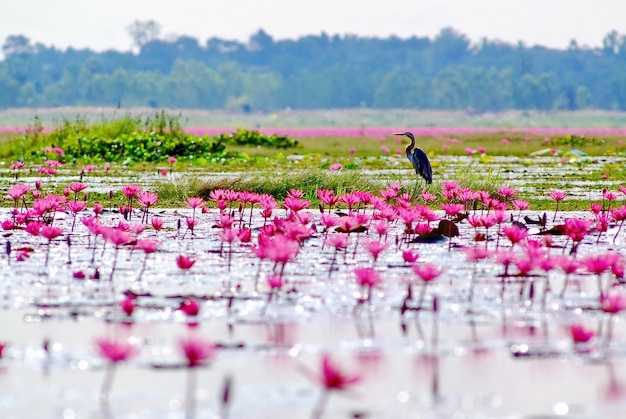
<point x="418" y="159"/>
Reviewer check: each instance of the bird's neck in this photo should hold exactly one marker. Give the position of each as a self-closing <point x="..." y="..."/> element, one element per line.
<point x="410" y="146"/>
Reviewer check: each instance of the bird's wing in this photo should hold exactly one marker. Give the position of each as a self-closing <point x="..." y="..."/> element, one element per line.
<point x="421" y="164"/>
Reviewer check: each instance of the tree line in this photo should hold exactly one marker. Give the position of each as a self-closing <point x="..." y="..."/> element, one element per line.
<point x="317" y="71"/>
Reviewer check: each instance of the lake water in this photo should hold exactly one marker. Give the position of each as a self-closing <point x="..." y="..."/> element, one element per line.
<point x="498" y="356"/>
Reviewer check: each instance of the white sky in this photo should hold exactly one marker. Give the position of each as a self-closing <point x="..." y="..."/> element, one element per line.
<point x="102" y="25"/>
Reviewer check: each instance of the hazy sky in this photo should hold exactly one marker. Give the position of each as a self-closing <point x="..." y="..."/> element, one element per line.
<point x="102" y="25"/>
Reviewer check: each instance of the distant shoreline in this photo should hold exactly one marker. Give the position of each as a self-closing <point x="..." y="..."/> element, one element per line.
<point x="343" y="122"/>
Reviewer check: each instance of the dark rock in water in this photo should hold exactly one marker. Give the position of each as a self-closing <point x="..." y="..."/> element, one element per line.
<point x="530" y="220"/>
<point x="429" y="238"/>
<point x="447" y="228"/>
<point x="540" y="220"/>
<point x="557" y="230"/>
<point x="520" y="225"/>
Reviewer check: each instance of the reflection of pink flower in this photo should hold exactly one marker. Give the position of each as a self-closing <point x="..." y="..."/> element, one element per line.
<point x="385" y="149"/>
<point x="613" y="302"/>
<point x="196" y="350"/>
<point x="352" y="150"/>
<point x="275" y="281"/>
<point x="190" y="307"/>
<point x="128" y="305"/>
<point x="332" y="378"/>
<point x="580" y="334"/>
<point x="113" y="350"/>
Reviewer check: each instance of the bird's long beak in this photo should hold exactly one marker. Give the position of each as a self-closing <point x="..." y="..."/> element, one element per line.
<point x="398" y="133"/>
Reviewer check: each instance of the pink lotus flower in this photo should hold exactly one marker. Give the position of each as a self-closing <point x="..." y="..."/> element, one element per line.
<point x="350" y="199"/>
<point x="375" y="248"/>
<point x="506" y="192"/>
<point x="338" y="240"/>
<point x="576" y="229"/>
<point x="558" y="196"/>
<point x="131" y="190"/>
<point x="172" y="160"/>
<point x="335" y="167"/>
<point x="98" y="208"/>
<point x="7" y="225"/>
<point x="409" y="256"/>
<point x="295" y="204"/>
<point x="367" y="277"/>
<point x="389" y="194"/>
<point x="147" y="199"/>
<point x="76" y="206"/>
<point x="520" y="205"/>
<point x="229" y="235"/>
<point x="17" y="191"/>
<point x="427" y="197"/>
<point x="609" y="195"/>
<point x="194" y="202"/>
<point x="514" y="233"/>
<point x="50" y="232"/>
<point x="381" y="227"/>
<point x="185" y="262"/>
<point x="427" y="272"/>
<point x="157" y="223"/>
<point x="148" y="246"/>
<point x="77" y="187"/>
<point x="196" y="350"/>
<point x="327" y="197"/>
<point x="452" y="210"/>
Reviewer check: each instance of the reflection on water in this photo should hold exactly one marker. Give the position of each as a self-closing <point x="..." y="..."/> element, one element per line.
<point x="477" y="346"/>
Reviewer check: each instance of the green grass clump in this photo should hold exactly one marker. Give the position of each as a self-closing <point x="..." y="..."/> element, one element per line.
<point x="130" y="139"/>
<point x="279" y="183"/>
